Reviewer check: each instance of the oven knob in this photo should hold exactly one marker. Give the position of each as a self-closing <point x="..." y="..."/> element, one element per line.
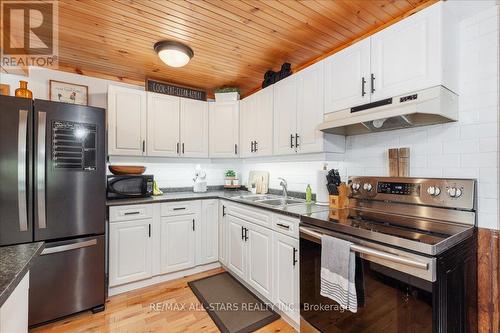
<point x="356" y="186"/>
<point x="367" y="187"/>
<point x="433" y="191"/>
<point x="454" y="192"/>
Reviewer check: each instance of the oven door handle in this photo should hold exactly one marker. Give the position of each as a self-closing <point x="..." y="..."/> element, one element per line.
<point x="373" y="252"/>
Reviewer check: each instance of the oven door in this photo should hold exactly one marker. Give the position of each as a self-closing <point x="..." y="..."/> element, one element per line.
<point x="394" y="289"/>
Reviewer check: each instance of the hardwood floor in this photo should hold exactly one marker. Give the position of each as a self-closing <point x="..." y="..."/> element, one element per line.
<point x="132" y="312"/>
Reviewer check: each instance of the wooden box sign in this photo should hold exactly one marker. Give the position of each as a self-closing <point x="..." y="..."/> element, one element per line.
<point x="170" y="89"/>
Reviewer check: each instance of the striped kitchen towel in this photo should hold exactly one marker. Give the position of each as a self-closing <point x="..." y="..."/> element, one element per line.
<point x="338" y="269"/>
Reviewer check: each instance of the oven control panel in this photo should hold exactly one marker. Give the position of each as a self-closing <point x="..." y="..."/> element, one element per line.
<point x="441" y="192"/>
<point x="398" y="188"/>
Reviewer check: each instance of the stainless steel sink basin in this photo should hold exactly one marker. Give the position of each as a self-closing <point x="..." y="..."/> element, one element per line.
<point x="257" y="197"/>
<point x="281" y="202"/>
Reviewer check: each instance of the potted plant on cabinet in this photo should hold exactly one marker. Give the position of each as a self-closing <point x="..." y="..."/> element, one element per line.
<point x="226" y="94"/>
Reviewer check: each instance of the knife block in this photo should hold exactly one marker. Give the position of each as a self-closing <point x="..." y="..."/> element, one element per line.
<point x="339" y="201"/>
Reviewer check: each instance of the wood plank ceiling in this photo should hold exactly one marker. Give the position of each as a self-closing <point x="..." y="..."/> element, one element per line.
<point x="235" y="41"/>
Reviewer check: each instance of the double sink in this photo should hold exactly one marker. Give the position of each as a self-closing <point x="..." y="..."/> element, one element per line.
<point x="272" y="200"/>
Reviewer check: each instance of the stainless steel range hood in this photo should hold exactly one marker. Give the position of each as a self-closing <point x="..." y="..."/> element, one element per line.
<point x="431" y="106"/>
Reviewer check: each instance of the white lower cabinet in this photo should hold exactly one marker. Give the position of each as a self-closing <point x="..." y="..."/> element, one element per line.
<point x="209" y="232"/>
<point x="259" y="241"/>
<point x="264" y="256"/>
<point x="222" y="233"/>
<point x="130" y="247"/>
<point x="286" y="275"/>
<point x="177" y="243"/>
<point x="156" y="239"/>
<point x="236" y="247"/>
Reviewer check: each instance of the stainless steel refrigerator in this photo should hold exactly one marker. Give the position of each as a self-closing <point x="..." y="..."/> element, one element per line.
<point x="53" y="189"/>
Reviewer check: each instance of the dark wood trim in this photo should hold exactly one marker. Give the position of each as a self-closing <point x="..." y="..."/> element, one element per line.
<point x="488" y="258"/>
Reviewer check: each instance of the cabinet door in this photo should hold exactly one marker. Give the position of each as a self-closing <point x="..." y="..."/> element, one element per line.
<point x="248" y="126"/>
<point x="129" y="251"/>
<point x="345" y="73"/>
<point x="263" y="115"/>
<point x="163" y="125"/>
<point x="177" y="243"/>
<point x="260" y="259"/>
<point x="310" y="108"/>
<point x="194" y="128"/>
<point x="224" y="129"/>
<point x="223" y="231"/>
<point x="405" y="57"/>
<point x="209" y="228"/>
<point x="285" y="116"/>
<point x="126" y="121"/>
<point x="236" y="249"/>
<point x="286" y="274"/>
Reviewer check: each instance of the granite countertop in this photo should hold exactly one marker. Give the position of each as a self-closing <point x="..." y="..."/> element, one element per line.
<point x="15" y="262"/>
<point x="295" y="210"/>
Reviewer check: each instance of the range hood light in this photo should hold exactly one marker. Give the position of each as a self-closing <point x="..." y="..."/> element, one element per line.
<point x="173" y="53"/>
<point x="378" y="123"/>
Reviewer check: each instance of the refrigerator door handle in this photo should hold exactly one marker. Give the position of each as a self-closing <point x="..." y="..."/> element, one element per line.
<point x="69" y="247"/>
<point x="21" y="169"/>
<point x="42" y="126"/>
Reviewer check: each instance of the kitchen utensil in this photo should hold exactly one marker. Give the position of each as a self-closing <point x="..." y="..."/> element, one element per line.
<point x="126" y="169"/>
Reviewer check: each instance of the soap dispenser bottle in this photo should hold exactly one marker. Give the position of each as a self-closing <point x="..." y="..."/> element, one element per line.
<point x="308" y="193"/>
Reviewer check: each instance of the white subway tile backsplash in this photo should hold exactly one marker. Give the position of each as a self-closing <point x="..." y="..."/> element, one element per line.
<point x="479" y="160"/>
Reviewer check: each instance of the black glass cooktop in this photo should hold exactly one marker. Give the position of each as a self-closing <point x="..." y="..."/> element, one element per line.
<point x="370" y="224"/>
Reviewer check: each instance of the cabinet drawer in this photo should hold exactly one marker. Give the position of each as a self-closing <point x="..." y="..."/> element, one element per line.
<point x="180" y="208"/>
<point x="255" y="215"/>
<point x="286" y="225"/>
<point x="131" y="212"/>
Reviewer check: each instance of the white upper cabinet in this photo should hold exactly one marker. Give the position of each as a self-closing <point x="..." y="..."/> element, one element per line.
<point x="285" y="115"/>
<point x="406" y="56"/>
<point x="126" y="121"/>
<point x="347" y="76"/>
<point x="163" y="125"/>
<point x="224" y="129"/>
<point x="256" y="124"/>
<point x="194" y="128"/>
<point x="416" y="53"/>
<point x="247" y="126"/>
<point x="310" y="109"/>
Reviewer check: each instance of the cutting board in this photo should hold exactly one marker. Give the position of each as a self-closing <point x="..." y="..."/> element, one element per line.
<point x="256" y="176"/>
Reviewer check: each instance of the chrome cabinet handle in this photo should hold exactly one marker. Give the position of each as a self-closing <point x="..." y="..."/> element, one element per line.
<point x="21" y="170"/>
<point x="69" y="247"/>
<point x="372" y="80"/>
<point x="42" y="127"/>
<point x="373" y="252"/>
<point x="363" y="82"/>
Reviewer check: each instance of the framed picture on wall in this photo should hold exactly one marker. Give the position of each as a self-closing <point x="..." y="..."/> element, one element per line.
<point x="68" y="92"/>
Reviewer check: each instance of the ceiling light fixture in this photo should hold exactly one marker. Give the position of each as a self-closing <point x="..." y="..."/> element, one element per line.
<point x="173" y="54"/>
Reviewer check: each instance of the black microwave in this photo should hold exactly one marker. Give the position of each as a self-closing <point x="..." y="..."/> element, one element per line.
<point x="130" y="186"/>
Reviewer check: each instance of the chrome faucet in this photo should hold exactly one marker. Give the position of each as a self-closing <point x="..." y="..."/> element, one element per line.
<point x="284" y="184"/>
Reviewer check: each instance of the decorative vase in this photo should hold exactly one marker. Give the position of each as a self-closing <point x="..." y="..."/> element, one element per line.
<point x="23" y="91"/>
